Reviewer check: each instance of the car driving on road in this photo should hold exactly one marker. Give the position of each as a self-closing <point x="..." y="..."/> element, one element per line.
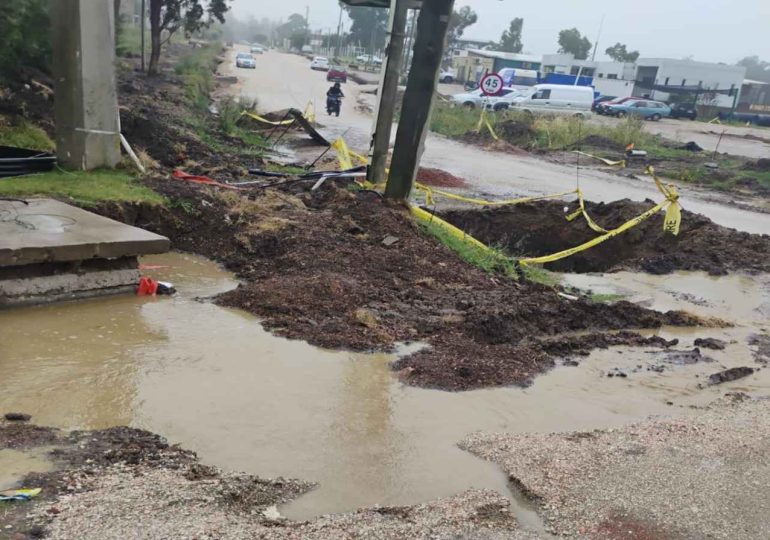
<point x="320" y="63"/>
<point x="257" y="49"/>
<point x="337" y="74"/>
<point x="245" y="60"/>
<point x="644" y="108"/>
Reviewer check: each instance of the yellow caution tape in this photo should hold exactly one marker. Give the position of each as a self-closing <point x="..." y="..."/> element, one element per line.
<point x="621" y="163"/>
<point x="265" y="120"/>
<point x="582" y="211"/>
<point x="596" y="241"/>
<point x="484" y="121"/>
<point x="309" y="113"/>
<point x="714" y="120"/>
<point x="429" y="192"/>
<point x="427" y="217"/>
<point x="674" y="212"/>
<point x="343" y="154"/>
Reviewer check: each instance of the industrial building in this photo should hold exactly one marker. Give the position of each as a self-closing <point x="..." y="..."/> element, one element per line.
<point x="471" y="64"/>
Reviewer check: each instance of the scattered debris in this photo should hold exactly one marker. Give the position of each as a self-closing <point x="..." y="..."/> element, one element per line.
<point x="731" y="374"/>
<point x="691" y="146"/>
<point x="389" y="240"/>
<point x="710" y="343"/>
<point x="17" y="417"/>
<point x="762" y="351"/>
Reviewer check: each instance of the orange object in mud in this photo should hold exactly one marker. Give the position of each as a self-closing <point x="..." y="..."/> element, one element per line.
<point x="147" y="287"/>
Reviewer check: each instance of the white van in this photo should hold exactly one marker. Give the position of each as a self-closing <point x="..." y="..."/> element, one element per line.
<point x="557" y="99"/>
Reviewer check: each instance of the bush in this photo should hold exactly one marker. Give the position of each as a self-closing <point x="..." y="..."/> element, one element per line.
<point x="24" y="37"/>
<point x="230" y="110"/>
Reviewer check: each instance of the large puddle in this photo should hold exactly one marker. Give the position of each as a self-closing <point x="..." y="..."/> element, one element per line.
<point x="213" y="380"/>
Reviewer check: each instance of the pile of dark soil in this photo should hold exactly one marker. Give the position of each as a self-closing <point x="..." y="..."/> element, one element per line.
<point x="540" y="228"/>
<point x="439" y="178"/>
<point x="315" y="267"/>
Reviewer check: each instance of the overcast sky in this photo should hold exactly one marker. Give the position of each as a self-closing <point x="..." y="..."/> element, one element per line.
<point x="709" y="30"/>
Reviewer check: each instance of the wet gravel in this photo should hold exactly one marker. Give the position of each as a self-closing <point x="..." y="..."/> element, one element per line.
<point x="149" y="503"/>
<point x="700" y="476"/>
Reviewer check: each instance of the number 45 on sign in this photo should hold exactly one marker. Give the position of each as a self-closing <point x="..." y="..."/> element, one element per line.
<point x="491" y="84"/>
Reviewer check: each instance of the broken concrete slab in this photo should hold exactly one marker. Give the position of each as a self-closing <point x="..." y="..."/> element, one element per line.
<point x="46" y="230"/>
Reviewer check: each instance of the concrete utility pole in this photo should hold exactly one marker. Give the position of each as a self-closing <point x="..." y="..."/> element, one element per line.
<point x="86" y="106"/>
<point x="432" y="25"/>
<point x="386" y="95"/>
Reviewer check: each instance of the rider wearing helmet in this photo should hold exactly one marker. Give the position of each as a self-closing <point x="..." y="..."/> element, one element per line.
<point x="335" y="91"/>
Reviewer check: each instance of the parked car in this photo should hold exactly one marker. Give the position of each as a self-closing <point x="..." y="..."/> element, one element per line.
<point x="337" y="74"/>
<point x="447" y="76"/>
<point x="320" y="63"/>
<point x="368" y="59"/>
<point x="601" y="99"/>
<point x="245" y="60"/>
<point x="257" y="49"/>
<point x="503" y="100"/>
<point x="684" y="110"/>
<point x="475" y="98"/>
<point x="645" y="108"/>
<point x="556" y="99"/>
<point x="603" y="107"/>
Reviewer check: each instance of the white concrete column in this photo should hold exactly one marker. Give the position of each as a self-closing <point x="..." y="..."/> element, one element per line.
<point x="86" y="103"/>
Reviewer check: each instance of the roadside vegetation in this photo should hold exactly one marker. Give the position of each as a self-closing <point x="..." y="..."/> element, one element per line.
<point x="25" y="135"/>
<point x="82" y="187"/>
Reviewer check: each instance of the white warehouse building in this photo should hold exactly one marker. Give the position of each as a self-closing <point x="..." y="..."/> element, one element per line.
<point x="716" y="85"/>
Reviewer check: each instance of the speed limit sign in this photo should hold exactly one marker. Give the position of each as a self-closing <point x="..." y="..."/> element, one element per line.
<point x="491" y="84"/>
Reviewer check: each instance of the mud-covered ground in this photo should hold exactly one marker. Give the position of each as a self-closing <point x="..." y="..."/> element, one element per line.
<point x="128" y="483"/>
<point x="540" y="228"/>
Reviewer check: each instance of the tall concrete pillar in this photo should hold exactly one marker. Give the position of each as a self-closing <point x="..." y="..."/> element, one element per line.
<point x="86" y="102"/>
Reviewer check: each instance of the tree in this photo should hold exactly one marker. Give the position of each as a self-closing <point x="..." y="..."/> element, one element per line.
<point x="756" y="69"/>
<point x="169" y="16"/>
<point x="570" y="41"/>
<point x="295" y="30"/>
<point x="24" y="38"/>
<point x="459" y="21"/>
<point x="510" y="41"/>
<point x="619" y="53"/>
<point x="369" y="26"/>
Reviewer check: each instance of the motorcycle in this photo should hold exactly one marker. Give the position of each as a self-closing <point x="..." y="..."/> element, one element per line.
<point x="333" y="104"/>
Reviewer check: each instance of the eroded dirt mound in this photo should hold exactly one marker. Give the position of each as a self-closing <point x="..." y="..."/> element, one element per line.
<point x="317" y="267"/>
<point x="540" y="228"/>
<point x="439" y="178"/>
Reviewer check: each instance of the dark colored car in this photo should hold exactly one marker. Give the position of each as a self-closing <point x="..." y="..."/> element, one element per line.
<point x="337" y="74"/>
<point x="684" y="110"/>
<point x="603" y="107"/>
<point x="601" y="99"/>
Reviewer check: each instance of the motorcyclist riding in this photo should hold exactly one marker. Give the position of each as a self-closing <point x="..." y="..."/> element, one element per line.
<point x="333" y="97"/>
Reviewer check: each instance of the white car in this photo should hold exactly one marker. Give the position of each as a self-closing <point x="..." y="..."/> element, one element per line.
<point x="245" y="60"/>
<point x="320" y="63"/>
<point x="368" y="59"/>
<point x="257" y="49"/>
<point x="475" y="99"/>
<point x="447" y="76"/>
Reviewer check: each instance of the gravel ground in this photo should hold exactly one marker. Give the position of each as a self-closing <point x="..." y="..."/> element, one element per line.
<point x="700" y="476"/>
<point x="150" y="503"/>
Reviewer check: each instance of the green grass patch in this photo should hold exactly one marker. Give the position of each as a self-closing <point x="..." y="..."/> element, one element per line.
<point x="490" y="260"/>
<point x="130" y="40"/>
<point x="453" y="121"/>
<point x="197" y="71"/>
<point x="605" y="298"/>
<point x="25" y="135"/>
<point x="85" y="187"/>
<point x="538" y="274"/>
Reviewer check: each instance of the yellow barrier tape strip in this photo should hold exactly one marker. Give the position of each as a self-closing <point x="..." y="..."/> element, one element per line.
<point x="309" y="113"/>
<point x="591" y="222"/>
<point x="598" y="240"/>
<point x="673" y="219"/>
<point x="427" y="217"/>
<point x="621" y="163"/>
<point x="265" y="120"/>
<point x="343" y="154"/>
<point x="491" y="130"/>
<point x="484" y="202"/>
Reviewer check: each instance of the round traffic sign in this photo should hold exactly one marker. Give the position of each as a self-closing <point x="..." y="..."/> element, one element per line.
<point x="491" y="84"/>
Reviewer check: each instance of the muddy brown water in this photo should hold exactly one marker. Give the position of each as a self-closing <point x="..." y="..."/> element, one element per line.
<point x="213" y="380"/>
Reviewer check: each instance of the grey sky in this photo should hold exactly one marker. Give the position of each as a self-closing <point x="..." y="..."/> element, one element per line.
<point x="710" y="30"/>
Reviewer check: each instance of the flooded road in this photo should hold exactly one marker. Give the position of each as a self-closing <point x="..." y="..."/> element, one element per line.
<point x="214" y="381"/>
<point x="286" y="80"/>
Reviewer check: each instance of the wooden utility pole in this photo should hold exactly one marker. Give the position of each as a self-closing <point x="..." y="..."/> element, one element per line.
<point x="386" y="94"/>
<point x="432" y="25"/>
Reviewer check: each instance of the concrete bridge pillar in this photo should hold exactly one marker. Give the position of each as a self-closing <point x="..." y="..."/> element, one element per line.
<point x="86" y="103"/>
